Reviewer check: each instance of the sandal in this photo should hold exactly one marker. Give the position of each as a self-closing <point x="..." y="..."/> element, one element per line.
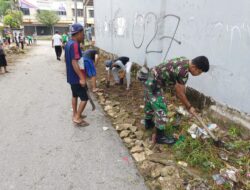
<point x="97" y="90"/>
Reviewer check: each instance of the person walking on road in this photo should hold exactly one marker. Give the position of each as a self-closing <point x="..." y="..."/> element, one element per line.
<point x="21" y="40"/>
<point x="75" y="77"/>
<point x="65" y="39"/>
<point x="57" y="44"/>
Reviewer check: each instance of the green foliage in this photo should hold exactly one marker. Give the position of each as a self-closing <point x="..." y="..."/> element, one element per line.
<point x="4" y="6"/>
<point x="197" y="154"/>
<point x="13" y="18"/>
<point x="48" y="18"/>
<point x="234" y="132"/>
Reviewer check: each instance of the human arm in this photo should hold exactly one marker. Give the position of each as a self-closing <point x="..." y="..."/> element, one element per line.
<point x="119" y="64"/>
<point x="180" y="93"/>
<point x="78" y="72"/>
<point x="76" y="56"/>
<point x="96" y="59"/>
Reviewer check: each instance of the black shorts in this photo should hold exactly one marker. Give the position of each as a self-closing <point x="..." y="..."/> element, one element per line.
<point x="79" y="91"/>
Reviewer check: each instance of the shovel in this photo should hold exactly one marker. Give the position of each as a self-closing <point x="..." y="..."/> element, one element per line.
<point x="217" y="142"/>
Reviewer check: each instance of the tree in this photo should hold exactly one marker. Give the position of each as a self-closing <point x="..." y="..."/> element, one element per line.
<point x="48" y="18"/>
<point x="13" y="18"/>
<point x="6" y="5"/>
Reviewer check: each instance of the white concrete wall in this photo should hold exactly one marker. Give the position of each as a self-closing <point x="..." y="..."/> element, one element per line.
<point x="218" y="29"/>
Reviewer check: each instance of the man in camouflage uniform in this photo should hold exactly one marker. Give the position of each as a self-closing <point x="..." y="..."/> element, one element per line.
<point x="173" y="73"/>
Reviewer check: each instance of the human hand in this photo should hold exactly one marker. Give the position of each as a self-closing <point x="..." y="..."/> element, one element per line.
<point x="192" y="111"/>
<point x="82" y="83"/>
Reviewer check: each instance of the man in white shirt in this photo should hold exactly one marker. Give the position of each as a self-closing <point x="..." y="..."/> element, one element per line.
<point x="57" y="43"/>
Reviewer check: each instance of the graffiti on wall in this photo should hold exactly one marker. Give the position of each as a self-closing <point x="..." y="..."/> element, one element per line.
<point x="117" y="26"/>
<point x="143" y="20"/>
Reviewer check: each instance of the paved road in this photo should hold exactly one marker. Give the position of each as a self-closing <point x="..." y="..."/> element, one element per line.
<point x="40" y="149"/>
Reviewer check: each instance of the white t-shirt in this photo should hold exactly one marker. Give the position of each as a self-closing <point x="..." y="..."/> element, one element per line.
<point x="57" y="40"/>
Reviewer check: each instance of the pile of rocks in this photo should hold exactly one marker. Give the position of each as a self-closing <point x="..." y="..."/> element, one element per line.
<point x="159" y="171"/>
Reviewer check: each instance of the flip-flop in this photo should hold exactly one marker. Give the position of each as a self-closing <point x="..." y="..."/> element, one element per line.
<point x="83" y="116"/>
<point x="82" y="124"/>
<point x="97" y="90"/>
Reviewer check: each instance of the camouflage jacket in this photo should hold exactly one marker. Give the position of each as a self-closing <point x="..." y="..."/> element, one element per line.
<point x="171" y="72"/>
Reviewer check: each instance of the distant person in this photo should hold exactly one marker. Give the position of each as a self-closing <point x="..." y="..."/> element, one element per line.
<point x="90" y="62"/>
<point x="65" y="39"/>
<point x="21" y="40"/>
<point x="89" y="33"/>
<point x="29" y="38"/>
<point x="35" y="37"/>
<point x="57" y="44"/>
<point x="3" y="62"/>
<point x="8" y="37"/>
<point x="75" y="77"/>
<point x="16" y="39"/>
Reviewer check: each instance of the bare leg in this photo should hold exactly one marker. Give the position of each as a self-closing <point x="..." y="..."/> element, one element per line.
<point x="74" y="106"/>
<point x="93" y="81"/>
<point x="5" y="69"/>
<point x="77" y="117"/>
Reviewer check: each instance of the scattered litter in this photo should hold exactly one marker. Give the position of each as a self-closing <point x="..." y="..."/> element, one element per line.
<point x="105" y="128"/>
<point x="142" y="122"/>
<point x="142" y="106"/>
<point x="212" y="126"/>
<point x="230" y="173"/>
<point x="223" y="156"/>
<point x="181" y="163"/>
<point x="182" y="111"/>
<point x="195" y="131"/>
<point x="219" y="179"/>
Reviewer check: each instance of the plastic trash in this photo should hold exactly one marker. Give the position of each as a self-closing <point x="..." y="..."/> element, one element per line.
<point x="219" y="180"/>
<point x="105" y="128"/>
<point x="181" y="163"/>
<point x="230" y="173"/>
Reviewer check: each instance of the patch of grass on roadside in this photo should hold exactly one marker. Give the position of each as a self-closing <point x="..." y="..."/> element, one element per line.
<point x="198" y="154"/>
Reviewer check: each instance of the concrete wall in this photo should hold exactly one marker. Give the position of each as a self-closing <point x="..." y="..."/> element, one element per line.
<point x="218" y="29"/>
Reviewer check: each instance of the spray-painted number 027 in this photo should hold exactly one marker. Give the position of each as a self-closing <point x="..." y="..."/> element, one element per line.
<point x="141" y="21"/>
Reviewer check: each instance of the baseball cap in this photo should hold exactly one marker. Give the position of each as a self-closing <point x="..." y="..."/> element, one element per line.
<point x="75" y="28"/>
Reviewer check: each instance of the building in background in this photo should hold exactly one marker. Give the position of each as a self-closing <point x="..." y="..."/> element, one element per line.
<point x="64" y="8"/>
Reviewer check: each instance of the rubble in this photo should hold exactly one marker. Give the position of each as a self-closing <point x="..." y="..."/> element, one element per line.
<point x="136" y="149"/>
<point x="139" y="135"/>
<point x="139" y="157"/>
<point x="124" y="133"/>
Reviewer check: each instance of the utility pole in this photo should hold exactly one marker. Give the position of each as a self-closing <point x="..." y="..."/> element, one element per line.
<point x="75" y="11"/>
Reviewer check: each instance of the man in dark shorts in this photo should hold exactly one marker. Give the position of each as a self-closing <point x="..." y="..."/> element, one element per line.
<point x="90" y="61"/>
<point x="75" y="77"/>
<point x="173" y="73"/>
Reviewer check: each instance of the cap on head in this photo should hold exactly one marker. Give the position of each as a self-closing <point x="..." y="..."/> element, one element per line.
<point x="76" y="28"/>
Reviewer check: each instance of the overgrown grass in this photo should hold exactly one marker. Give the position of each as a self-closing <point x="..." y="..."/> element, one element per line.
<point x="198" y="153"/>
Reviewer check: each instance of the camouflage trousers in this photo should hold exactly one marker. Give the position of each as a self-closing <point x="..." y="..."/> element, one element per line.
<point x="155" y="104"/>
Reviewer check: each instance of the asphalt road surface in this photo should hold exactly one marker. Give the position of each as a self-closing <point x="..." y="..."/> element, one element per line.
<point x="40" y="149"/>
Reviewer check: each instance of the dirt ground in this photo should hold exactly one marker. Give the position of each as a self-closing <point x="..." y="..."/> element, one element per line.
<point x="208" y="159"/>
